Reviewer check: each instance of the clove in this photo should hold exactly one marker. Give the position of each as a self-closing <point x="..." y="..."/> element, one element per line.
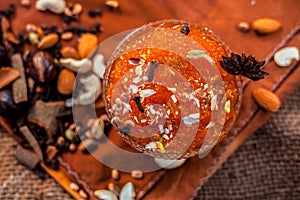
<point x="137" y="100"/>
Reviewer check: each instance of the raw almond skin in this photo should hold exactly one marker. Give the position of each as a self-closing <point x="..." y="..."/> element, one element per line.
<point x="266" y="99"/>
<point x="69" y="52"/>
<point x="65" y="82"/>
<point x="87" y="44"/>
<point x="266" y="25"/>
<point x="48" y="41"/>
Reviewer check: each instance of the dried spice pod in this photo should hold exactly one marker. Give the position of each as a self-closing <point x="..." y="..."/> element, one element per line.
<point x="69" y="52"/>
<point x="42" y="69"/>
<point x="266" y="99"/>
<point x="65" y="82"/>
<point x="48" y="41"/>
<point x="243" y="65"/>
<point x="88" y="42"/>
<point x="8" y="75"/>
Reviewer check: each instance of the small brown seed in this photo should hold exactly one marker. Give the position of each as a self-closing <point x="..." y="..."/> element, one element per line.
<point x="266" y="99"/>
<point x="30" y="28"/>
<point x="51" y="152"/>
<point x="68" y="12"/>
<point x="7" y="75"/>
<point x="25" y="3"/>
<point x="74" y="186"/>
<point x="244" y="27"/>
<point x="60" y="141"/>
<point x="66" y="36"/>
<point x="77" y="9"/>
<point x="83" y="194"/>
<point x="137" y="174"/>
<point x="72" y="147"/>
<point x="112" y="4"/>
<point x="115" y="174"/>
<point x="69" y="52"/>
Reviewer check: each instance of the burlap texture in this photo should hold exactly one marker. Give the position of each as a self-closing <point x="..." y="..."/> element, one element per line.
<point x="266" y="166"/>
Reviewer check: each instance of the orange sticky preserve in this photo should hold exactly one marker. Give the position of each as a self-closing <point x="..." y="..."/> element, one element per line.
<point x="166" y="91"/>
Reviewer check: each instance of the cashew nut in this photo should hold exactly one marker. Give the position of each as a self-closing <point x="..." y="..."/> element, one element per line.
<point x="81" y="66"/>
<point x="92" y="90"/>
<point x="56" y="6"/>
<point x="99" y="65"/>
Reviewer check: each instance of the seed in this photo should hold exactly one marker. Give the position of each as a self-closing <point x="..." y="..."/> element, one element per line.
<point x="115" y="174"/>
<point x="112" y="4"/>
<point x="72" y="147"/>
<point x="70" y="135"/>
<point x="74" y="186"/>
<point x="169" y="164"/>
<point x="77" y="9"/>
<point x="67" y="36"/>
<point x="127" y="192"/>
<point x="68" y="11"/>
<point x="244" y="27"/>
<point x="185" y="30"/>
<point x="30" y="28"/>
<point x="60" y="141"/>
<point x="69" y="52"/>
<point x="137" y="174"/>
<point x="114" y="188"/>
<point x="33" y="38"/>
<point x="83" y="194"/>
<point x="25" y="2"/>
<point x="105" y="194"/>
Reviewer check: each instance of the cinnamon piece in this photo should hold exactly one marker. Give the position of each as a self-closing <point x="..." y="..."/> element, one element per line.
<point x="19" y="86"/>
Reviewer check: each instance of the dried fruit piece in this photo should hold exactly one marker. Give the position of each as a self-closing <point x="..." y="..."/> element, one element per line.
<point x="69" y="52"/>
<point x="48" y="41"/>
<point x="43" y="69"/>
<point x="7" y="75"/>
<point x="87" y="44"/>
<point x="266" y="99"/>
<point x="266" y="25"/>
<point x="65" y="82"/>
<point x="285" y="56"/>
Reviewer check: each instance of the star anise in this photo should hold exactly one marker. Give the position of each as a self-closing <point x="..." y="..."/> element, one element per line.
<point x="243" y="65"/>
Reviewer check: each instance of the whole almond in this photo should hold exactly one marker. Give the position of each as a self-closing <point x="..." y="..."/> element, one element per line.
<point x="266" y="25"/>
<point x="87" y="44"/>
<point x="69" y="52"/>
<point x="65" y="82"/>
<point x="48" y="41"/>
<point x="266" y="99"/>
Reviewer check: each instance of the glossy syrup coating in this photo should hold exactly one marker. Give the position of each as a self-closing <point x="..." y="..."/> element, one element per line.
<point x="171" y="98"/>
